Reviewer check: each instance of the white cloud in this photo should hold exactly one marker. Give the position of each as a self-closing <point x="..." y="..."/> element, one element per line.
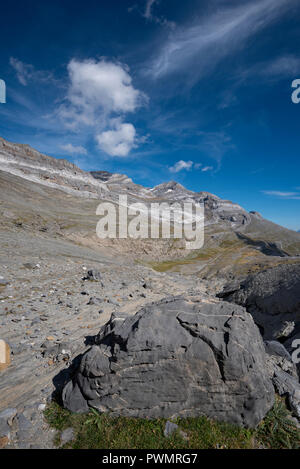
<point x="22" y="70"/>
<point x="215" y="145"/>
<point x="181" y="165"/>
<point x="215" y="36"/>
<point x="104" y="84"/>
<point x="283" y="195"/>
<point x="27" y="72"/>
<point x="98" y="89"/>
<point x="148" y="9"/>
<point x="73" y="149"/>
<point x="149" y="15"/>
<point x="288" y="65"/>
<point x="188" y="165"/>
<point x="99" y="94"/>
<point x="207" y="168"/>
<point x="119" y="141"/>
<point x="281" y="67"/>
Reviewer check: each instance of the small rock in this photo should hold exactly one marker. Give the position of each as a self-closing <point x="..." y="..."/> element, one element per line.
<point x="286" y="330"/>
<point x="93" y="275"/>
<point x="67" y="436"/>
<point x="28" y="265"/>
<point x="42" y="407"/>
<point x="8" y="415"/>
<point x="4" y="428"/>
<point x="170" y="428"/>
<point x="95" y="301"/>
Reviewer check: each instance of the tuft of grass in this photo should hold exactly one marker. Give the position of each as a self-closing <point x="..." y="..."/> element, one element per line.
<point x="277" y="431"/>
<point x="101" y="431"/>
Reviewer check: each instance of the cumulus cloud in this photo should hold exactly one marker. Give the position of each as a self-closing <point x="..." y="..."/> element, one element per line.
<point x="27" y="72"/>
<point x="181" y="165"/>
<point x="103" y="84"/>
<point x="119" y="141"/>
<point x="99" y="95"/>
<point x="215" y="37"/>
<point x="187" y="166"/>
<point x="73" y="149"/>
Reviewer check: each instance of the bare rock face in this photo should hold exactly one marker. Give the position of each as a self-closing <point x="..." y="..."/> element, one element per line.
<point x="179" y="357"/>
<point x="4" y="355"/>
<point x="273" y="298"/>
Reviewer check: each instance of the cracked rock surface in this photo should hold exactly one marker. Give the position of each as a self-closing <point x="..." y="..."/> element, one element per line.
<point x="182" y="356"/>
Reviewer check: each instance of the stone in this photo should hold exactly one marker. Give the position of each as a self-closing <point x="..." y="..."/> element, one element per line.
<point x="272" y="297"/>
<point x="289" y="386"/>
<point x="274" y="347"/>
<point x="8" y="415"/>
<point x="279" y="357"/>
<point x="95" y="301"/>
<point x="180" y="357"/>
<point x="4" y="428"/>
<point x="4" y="355"/>
<point x="170" y="428"/>
<point x="67" y="436"/>
<point x="93" y="275"/>
<point x="286" y="330"/>
<point x="24" y="427"/>
<point x="3" y="282"/>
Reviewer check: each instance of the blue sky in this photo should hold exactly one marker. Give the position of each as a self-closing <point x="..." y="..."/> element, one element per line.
<point x="197" y="91"/>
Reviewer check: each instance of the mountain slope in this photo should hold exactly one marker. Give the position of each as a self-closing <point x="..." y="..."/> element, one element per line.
<point x="33" y="198"/>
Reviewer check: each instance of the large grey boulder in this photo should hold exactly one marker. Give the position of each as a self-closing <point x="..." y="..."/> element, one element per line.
<point x="179" y="357"/>
<point x="272" y="297"/>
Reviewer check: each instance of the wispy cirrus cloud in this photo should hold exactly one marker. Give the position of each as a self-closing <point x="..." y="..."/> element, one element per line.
<point x="148" y="8"/>
<point x="74" y="149"/>
<point x="207" y="168"/>
<point x="215" y="145"/>
<point x="151" y="16"/>
<point x="284" y="66"/>
<point x="283" y="195"/>
<point x="27" y="72"/>
<point x="214" y="37"/>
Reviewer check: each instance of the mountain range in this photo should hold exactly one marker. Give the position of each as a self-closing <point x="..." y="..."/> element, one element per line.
<point x="60" y="199"/>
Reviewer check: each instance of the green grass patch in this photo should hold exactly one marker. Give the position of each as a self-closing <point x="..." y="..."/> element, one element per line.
<point x="95" y="431"/>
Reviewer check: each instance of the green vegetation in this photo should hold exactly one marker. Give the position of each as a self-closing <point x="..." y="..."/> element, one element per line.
<point x="95" y="431"/>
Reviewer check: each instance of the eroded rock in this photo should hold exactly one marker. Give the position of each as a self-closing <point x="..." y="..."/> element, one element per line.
<point x="179" y="357"/>
<point x="272" y="297"/>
